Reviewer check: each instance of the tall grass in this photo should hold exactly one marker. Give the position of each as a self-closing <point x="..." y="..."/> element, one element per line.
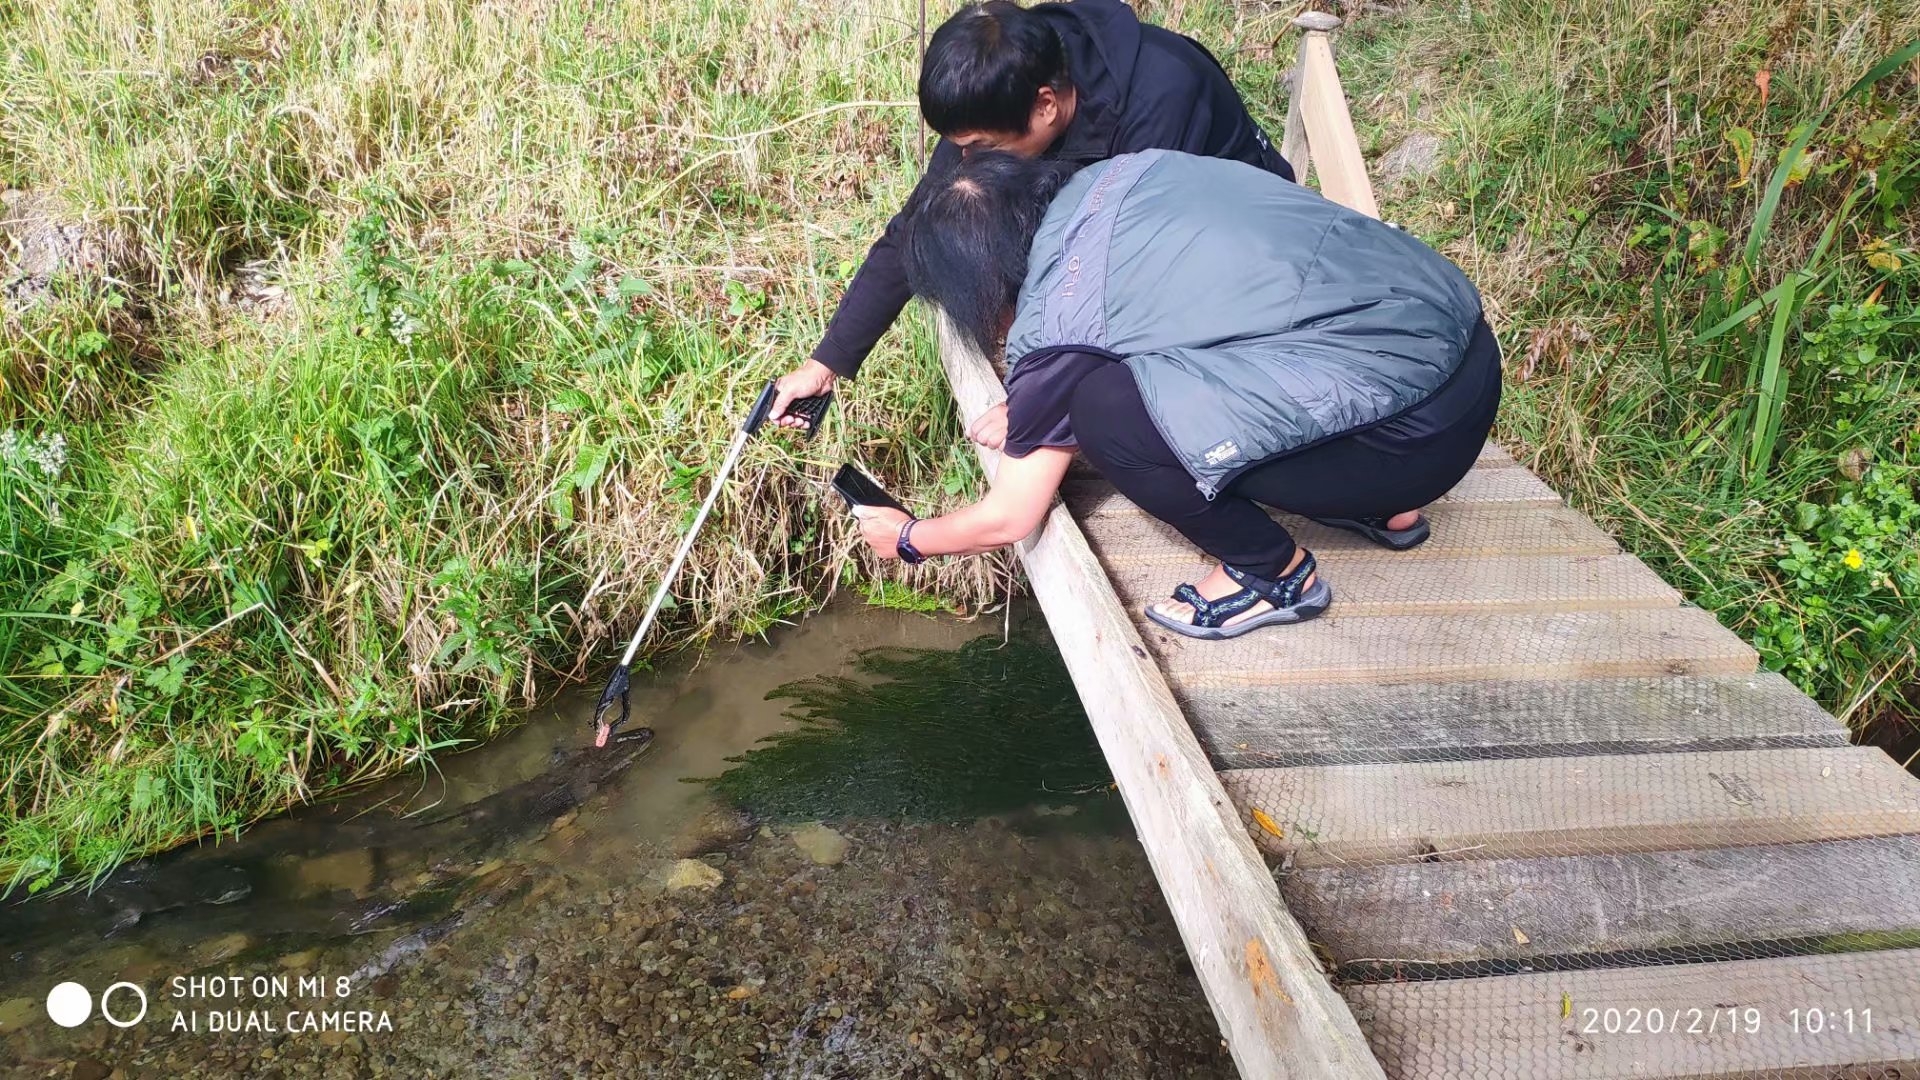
<point x="423" y="325"/>
<point x="1698" y="227"/>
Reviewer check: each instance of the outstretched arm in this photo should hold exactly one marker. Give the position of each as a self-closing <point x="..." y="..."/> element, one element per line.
<point x="1023" y="491"/>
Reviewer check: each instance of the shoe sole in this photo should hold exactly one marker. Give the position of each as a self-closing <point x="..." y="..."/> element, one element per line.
<point x="1391" y="539"/>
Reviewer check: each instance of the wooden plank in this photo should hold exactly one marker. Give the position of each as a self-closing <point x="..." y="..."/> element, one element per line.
<point x="1525" y="807"/>
<point x="1461" y="912"/>
<point x="1385" y="648"/>
<point x="1494" y="456"/>
<point x="1336" y="149"/>
<point x="1251" y="727"/>
<point x="1514" y="1027"/>
<point x="1510" y="487"/>
<point x="1277" y="1011"/>
<point x="1457" y="531"/>
<point x="1138" y="557"/>
<point x="1091" y="495"/>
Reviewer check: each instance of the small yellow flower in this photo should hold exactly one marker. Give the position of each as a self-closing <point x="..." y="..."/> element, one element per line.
<point x="1854" y="559"/>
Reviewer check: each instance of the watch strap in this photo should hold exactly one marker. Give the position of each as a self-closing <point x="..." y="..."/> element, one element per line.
<point x="904" y="546"/>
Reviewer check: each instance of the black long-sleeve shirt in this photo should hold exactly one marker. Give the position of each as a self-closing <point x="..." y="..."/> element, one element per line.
<point x="1137" y="87"/>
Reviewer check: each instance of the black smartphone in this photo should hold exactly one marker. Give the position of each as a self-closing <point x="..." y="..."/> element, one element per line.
<point x="859" y="489"/>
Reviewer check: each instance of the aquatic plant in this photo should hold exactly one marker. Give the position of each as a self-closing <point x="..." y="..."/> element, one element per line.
<point x="927" y="734"/>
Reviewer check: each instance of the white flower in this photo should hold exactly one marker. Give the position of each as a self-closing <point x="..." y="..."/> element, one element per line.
<point x="51" y="455"/>
<point x="48" y="455"/>
<point x="402" y="325"/>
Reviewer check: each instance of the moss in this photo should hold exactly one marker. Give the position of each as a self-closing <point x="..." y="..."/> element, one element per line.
<point x="927" y="734"/>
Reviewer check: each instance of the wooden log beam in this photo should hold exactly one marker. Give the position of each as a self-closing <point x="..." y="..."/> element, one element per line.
<point x="1277" y="1011"/>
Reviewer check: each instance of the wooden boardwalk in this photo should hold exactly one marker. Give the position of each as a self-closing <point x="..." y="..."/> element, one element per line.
<point x="1512" y="808"/>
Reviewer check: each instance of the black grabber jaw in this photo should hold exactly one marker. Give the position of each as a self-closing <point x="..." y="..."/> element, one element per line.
<point x="616" y="691"/>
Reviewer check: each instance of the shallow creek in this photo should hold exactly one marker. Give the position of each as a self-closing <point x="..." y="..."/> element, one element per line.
<point x="923" y="874"/>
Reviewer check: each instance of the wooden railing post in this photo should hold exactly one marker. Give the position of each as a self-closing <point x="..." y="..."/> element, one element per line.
<point x="1319" y="128"/>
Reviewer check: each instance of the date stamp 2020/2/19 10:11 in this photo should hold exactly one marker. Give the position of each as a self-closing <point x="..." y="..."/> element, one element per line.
<point x="1723" y="1020"/>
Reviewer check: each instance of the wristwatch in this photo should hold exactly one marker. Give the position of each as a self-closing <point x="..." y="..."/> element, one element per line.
<point x="904" y="546"/>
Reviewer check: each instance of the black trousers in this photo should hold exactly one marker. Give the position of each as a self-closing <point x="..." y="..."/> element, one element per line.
<point x="1401" y="465"/>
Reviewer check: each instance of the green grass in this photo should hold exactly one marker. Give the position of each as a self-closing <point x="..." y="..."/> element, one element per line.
<point x="1708" y="297"/>
<point x="422" y="331"/>
<point x="421" y="325"/>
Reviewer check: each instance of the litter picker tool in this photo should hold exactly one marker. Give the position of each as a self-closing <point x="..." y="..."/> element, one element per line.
<point x="811" y="410"/>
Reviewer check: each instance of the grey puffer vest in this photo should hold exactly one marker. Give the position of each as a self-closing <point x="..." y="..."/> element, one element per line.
<point x="1258" y="318"/>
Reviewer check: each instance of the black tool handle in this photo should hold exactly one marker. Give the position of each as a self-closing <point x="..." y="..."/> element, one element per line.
<point x="811" y="409"/>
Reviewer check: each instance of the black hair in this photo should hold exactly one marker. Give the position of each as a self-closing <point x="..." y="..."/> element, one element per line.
<point x="985" y="65"/>
<point x="970" y="230"/>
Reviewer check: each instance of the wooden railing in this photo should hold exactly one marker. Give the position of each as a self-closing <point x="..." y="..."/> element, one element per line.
<point x="1319" y="129"/>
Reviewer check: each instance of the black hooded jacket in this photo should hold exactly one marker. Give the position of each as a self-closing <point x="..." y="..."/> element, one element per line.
<point x="1136" y="87"/>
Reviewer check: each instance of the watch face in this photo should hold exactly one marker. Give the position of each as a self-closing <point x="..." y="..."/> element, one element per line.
<point x="904" y="548"/>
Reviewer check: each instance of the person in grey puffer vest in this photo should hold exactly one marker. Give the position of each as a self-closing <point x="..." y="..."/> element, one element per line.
<point x="1213" y="339"/>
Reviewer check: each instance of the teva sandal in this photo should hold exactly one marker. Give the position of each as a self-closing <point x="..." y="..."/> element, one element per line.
<point x="1292" y="602"/>
<point x="1375" y="529"/>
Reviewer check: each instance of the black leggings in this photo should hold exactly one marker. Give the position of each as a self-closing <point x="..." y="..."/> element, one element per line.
<point x="1374" y="473"/>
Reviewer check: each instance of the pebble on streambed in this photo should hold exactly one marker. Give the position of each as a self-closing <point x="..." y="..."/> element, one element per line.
<point x="692" y="874"/>
<point x="820" y="844"/>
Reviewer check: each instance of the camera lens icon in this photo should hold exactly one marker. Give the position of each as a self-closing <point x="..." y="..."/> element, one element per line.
<point x="69" y="1004"/>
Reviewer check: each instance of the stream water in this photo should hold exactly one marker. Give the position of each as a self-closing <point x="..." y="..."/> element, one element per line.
<point x="923" y="873"/>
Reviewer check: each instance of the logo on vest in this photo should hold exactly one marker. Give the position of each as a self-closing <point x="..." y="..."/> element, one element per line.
<point x="1225" y="451"/>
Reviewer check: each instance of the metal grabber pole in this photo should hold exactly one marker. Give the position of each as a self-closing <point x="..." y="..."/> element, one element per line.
<point x="811" y="410"/>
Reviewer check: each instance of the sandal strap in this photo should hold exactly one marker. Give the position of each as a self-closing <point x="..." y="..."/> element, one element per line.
<point x="1283" y="593"/>
<point x="1215" y="613"/>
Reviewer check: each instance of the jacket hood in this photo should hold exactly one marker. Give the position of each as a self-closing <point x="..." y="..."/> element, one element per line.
<point x="1102" y="42"/>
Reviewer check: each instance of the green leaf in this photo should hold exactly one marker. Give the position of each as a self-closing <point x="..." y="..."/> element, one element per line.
<point x="1742" y="142"/>
<point x="170" y="679"/>
<point x="631" y="287"/>
<point x="582" y="271"/>
<point x="90" y="343"/>
<point x="570" y="400"/>
<point x="591" y="462"/>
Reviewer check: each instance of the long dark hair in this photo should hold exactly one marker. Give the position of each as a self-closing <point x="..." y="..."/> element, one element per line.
<point x="970" y="230"/>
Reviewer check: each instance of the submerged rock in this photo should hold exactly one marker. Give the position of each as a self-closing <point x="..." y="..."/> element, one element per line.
<point x="693" y="874"/>
<point x="351" y="871"/>
<point x="224" y="947"/>
<point x="821" y="844"/>
<point x="720" y="827"/>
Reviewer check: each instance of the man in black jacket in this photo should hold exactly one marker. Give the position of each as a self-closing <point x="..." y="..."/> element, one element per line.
<point x="1082" y="81"/>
